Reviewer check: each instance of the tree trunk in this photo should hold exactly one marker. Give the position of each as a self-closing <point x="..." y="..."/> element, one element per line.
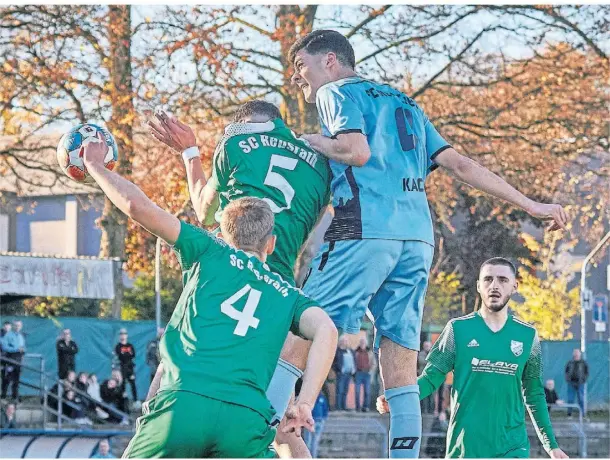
<point x="114" y="222"/>
<point x="295" y="22"/>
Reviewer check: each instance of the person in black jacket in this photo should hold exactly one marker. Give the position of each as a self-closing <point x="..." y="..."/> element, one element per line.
<point x="577" y="372"/>
<point x="126" y="354"/>
<point x="344" y="366"/>
<point x="66" y="351"/>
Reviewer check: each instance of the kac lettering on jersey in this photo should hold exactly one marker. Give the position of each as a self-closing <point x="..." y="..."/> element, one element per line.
<point x="241" y="264"/>
<point x="251" y="143"/>
<point x="375" y="93"/>
<point x="412" y="184"/>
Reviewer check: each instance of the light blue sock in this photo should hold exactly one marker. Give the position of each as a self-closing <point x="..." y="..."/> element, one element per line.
<point x="405" y="421"/>
<point x="281" y="387"/>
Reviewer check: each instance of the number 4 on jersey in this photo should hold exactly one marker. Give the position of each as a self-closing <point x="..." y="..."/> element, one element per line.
<point x="245" y="318"/>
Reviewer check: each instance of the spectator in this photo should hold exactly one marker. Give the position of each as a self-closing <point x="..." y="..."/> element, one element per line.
<point x="550" y="394"/>
<point x="66" y="351"/>
<point x="118" y="376"/>
<point x="577" y="372"/>
<point x="344" y="366"/>
<point x="364" y="359"/>
<point x="103" y="450"/>
<point x="435" y="445"/>
<point x="126" y="354"/>
<point x="82" y="382"/>
<point x="70" y="381"/>
<point x="13" y="346"/>
<point x="93" y="390"/>
<point x="152" y="353"/>
<point x="319" y="414"/>
<point x="428" y="403"/>
<point x="111" y="394"/>
<point x="8" y="419"/>
<point x="74" y="408"/>
<point x="6" y="327"/>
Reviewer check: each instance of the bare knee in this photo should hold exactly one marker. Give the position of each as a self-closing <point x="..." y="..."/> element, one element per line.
<point x="295" y="351"/>
<point x="398" y="365"/>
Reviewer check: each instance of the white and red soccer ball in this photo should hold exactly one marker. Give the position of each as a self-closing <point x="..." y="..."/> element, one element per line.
<point x="70" y="151"/>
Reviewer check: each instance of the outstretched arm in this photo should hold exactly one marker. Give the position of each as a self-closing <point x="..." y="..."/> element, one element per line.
<point x="314" y="325"/>
<point x="348" y="148"/>
<point x="128" y="197"/>
<point x="481" y="178"/>
<point x="535" y="401"/>
<point x="181" y="138"/>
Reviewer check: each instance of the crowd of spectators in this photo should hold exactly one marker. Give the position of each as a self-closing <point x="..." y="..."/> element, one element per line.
<point x="79" y="397"/>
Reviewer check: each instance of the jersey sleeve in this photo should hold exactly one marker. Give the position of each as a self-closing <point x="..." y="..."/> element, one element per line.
<point x="221" y="168"/>
<point x="338" y="112"/>
<point x="441" y="361"/>
<point x="435" y="143"/>
<point x="303" y="303"/>
<point x="191" y="244"/>
<point x="535" y="401"/>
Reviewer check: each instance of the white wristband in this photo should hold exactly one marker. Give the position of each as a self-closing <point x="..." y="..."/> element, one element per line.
<point x="190" y="153"/>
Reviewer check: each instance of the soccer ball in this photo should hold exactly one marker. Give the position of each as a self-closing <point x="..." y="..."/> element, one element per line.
<point x="70" y="155"/>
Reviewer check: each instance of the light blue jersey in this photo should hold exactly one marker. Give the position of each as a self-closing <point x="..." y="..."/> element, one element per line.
<point x="385" y="198"/>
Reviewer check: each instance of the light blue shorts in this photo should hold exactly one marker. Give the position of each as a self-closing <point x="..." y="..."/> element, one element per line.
<point x="389" y="277"/>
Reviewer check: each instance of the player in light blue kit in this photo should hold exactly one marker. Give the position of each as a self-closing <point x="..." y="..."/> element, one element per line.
<point x="378" y="249"/>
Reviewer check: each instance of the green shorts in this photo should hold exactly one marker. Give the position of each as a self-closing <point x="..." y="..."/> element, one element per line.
<point x="181" y="424"/>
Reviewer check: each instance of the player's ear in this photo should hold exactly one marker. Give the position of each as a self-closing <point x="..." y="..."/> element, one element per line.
<point x="221" y="236"/>
<point x="515" y="287"/>
<point x="331" y="59"/>
<point x="270" y="246"/>
<point x="478" y="287"/>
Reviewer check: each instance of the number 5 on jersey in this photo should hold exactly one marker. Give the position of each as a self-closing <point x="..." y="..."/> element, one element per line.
<point x="275" y="180"/>
<point x="245" y="318"/>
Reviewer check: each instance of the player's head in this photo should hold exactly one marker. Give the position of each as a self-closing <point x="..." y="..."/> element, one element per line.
<point x="318" y="58"/>
<point x="247" y="224"/>
<point x="576" y="354"/>
<point x="497" y="283"/>
<point x="104" y="447"/>
<point x="256" y="111"/>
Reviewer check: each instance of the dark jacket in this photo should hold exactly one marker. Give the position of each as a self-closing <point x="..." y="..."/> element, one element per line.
<point x="111" y="395"/>
<point x="126" y="354"/>
<point x="550" y="396"/>
<point x="338" y="361"/>
<point x="577" y="372"/>
<point x="65" y="357"/>
<point x="152" y="355"/>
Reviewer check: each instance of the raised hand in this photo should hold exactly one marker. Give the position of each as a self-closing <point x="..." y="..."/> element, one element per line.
<point x="551" y="212"/>
<point x="172" y="132"/>
<point x="94" y="151"/>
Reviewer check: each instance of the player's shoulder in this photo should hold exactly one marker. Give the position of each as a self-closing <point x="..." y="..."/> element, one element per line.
<point x="462" y="321"/>
<point x="524" y="327"/>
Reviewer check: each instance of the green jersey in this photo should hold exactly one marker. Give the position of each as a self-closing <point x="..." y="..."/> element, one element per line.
<point x="227" y="330"/>
<point x="496" y="376"/>
<point x="267" y="161"/>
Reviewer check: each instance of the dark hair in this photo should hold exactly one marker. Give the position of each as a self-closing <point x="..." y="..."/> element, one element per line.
<point x="500" y="261"/>
<point x="257" y="107"/>
<point x="325" y="41"/>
